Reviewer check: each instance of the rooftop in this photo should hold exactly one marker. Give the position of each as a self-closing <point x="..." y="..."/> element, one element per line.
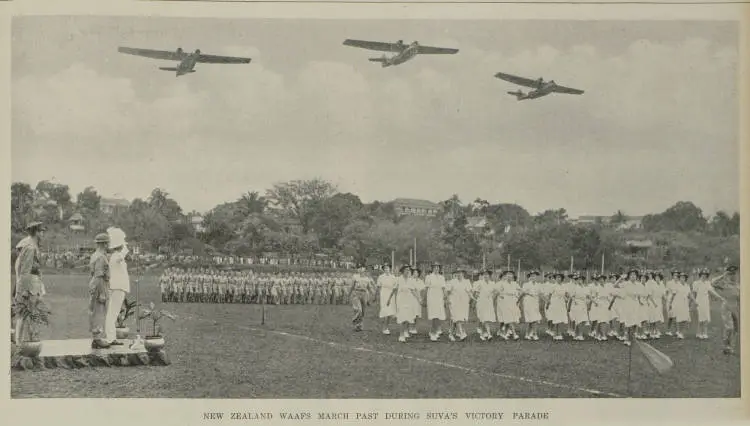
<point x="412" y="202"/>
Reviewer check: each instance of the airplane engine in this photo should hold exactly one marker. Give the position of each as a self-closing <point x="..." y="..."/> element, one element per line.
<point x="179" y="50"/>
<point x="197" y="51"/>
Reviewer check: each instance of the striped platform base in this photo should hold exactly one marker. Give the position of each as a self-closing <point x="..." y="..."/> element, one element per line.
<point x="77" y="353"/>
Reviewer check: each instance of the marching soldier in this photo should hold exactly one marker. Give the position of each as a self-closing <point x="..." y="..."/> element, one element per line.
<point x="358" y="294"/>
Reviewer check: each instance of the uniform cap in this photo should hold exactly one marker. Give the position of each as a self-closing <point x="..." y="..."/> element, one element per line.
<point x="101" y="238"/>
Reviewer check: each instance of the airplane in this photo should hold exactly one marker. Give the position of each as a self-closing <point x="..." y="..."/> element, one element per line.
<point x="540" y="87"/>
<point x="403" y="52"/>
<point x="187" y="59"/>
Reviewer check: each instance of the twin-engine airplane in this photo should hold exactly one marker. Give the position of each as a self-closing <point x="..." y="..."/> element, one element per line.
<point x="187" y="59"/>
<point x="540" y="87"/>
<point x="403" y="52"/>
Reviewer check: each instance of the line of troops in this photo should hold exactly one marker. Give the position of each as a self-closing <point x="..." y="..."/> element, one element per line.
<point x="632" y="305"/>
<point x="209" y="285"/>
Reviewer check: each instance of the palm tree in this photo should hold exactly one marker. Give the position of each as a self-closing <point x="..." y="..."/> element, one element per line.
<point x="618" y="218"/>
<point x="252" y="202"/>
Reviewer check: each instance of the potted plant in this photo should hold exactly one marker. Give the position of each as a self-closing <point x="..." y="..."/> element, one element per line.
<point x="34" y="313"/>
<point x="126" y="311"/>
<point x="155" y="341"/>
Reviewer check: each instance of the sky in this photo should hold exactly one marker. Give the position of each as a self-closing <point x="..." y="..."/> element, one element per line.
<point x="658" y="122"/>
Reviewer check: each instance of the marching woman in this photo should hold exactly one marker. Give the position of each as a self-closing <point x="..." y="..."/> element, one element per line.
<point x="702" y="288"/>
<point x="529" y="298"/>
<point x="630" y="306"/>
<point x="545" y="292"/>
<point x="485" y="306"/>
<point x="556" y="306"/>
<point x="435" y="298"/>
<point x="386" y="285"/>
<point x="418" y="284"/>
<point x="579" y="299"/>
<point x="656" y="290"/>
<point x="460" y="294"/>
<point x="671" y="288"/>
<point x="405" y="296"/>
<point x="507" y="310"/>
<point x="679" y="304"/>
<point x="599" y="314"/>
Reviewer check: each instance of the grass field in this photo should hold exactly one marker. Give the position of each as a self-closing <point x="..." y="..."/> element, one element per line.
<point x="223" y="351"/>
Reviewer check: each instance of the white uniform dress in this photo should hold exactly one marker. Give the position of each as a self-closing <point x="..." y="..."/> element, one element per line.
<point x="556" y="312"/>
<point x="387" y="283"/>
<point x="702" y="301"/>
<point x="485" y="305"/>
<point x="630" y="307"/>
<point x="419" y="286"/>
<point x="458" y="299"/>
<point x="530" y="301"/>
<point x="507" y="309"/>
<point x="680" y="310"/>
<point x="578" y="308"/>
<point x="435" y="284"/>
<point x="670" y="291"/>
<point x="405" y="302"/>
<point x="600" y="296"/>
<point x="656" y="291"/>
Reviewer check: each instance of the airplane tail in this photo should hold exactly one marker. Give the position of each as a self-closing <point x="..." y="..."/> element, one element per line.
<point x="518" y="94"/>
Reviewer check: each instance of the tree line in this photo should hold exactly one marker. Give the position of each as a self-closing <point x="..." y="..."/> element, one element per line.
<point x="311" y="217"/>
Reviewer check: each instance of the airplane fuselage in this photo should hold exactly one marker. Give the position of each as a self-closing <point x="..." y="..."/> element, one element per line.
<point x="406" y="54"/>
<point x="187" y="65"/>
<point x="543" y="90"/>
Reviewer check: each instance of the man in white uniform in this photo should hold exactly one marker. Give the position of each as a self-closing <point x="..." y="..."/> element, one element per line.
<point x="119" y="282"/>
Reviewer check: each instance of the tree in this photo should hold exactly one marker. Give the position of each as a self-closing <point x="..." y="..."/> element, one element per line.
<point x="252" y="202"/>
<point x="299" y="198"/>
<point x="334" y="214"/>
<point x="551" y="217"/>
<point x="53" y="200"/>
<point x="506" y="215"/>
<point x="684" y="216"/>
<point x="21" y="202"/>
<point x="617" y="219"/>
<point x="159" y="201"/>
<point x="88" y="200"/>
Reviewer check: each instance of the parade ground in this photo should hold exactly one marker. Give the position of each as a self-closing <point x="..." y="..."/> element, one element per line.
<point x="310" y="351"/>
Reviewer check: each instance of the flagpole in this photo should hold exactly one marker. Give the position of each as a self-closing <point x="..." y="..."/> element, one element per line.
<point x="508" y="262"/>
<point x="602" y="263"/>
<point x="415" y="251"/>
<point x="393" y="259"/>
<point x="571" y="263"/>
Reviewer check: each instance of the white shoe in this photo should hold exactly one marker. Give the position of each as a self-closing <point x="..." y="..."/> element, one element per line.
<point x="627" y="342"/>
<point x="578" y="338"/>
<point x="387" y="332"/>
<point x="402" y="339"/>
<point x="668" y="333"/>
<point x="680" y="335"/>
<point x="534" y="337"/>
<point x="451" y="337"/>
<point x="558" y="337"/>
<point x="433" y="337"/>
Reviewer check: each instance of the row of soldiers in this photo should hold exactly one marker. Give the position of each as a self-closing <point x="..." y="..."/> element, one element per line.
<point x="211" y="285"/>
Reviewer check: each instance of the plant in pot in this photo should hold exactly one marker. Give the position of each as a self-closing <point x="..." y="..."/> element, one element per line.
<point x="35" y="314"/>
<point x="126" y="312"/>
<point x="155" y="341"/>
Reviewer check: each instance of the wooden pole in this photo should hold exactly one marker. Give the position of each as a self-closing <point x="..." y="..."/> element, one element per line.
<point x="415" y="251"/>
<point x="484" y="261"/>
<point x="508" y="268"/>
<point x="571" y="263"/>
<point x="519" y="269"/>
<point x="393" y="260"/>
<point x="602" y="263"/>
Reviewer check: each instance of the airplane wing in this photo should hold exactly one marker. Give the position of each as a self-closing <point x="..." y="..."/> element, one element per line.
<point x="568" y="90"/>
<point x="214" y="59"/>
<point x="153" y="54"/>
<point x="374" y="45"/>
<point x="518" y="80"/>
<point x="427" y="50"/>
